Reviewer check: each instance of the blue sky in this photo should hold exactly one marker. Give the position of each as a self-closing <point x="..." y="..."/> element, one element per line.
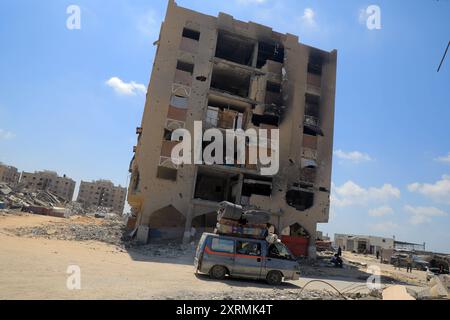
<point x="391" y="171"/>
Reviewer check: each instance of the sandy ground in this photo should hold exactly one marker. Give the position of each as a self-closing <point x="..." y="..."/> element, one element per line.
<point x="36" y="268"/>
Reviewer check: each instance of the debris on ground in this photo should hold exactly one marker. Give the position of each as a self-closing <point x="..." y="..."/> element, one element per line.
<point x="163" y="250"/>
<point x="274" y="294"/>
<point x="438" y="288"/>
<point x="77" y="229"/>
<point x="109" y="229"/>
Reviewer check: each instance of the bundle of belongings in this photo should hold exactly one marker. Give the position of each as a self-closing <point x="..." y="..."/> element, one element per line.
<point x="232" y="220"/>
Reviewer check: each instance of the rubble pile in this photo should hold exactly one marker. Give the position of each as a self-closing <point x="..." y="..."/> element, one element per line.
<point x="17" y="197"/>
<point x="44" y="202"/>
<point x="75" y="208"/>
<point x="110" y="231"/>
<point x="274" y="294"/>
<point x="166" y="250"/>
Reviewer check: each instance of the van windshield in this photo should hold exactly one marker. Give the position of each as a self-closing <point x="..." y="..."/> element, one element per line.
<point x="279" y="251"/>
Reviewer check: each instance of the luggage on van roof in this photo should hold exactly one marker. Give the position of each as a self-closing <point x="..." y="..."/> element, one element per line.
<point x="256" y="217"/>
<point x="228" y="210"/>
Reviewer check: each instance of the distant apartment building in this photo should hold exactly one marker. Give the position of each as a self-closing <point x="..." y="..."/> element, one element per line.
<point x="61" y="186"/>
<point x="102" y="193"/>
<point x="230" y="74"/>
<point x="9" y="174"/>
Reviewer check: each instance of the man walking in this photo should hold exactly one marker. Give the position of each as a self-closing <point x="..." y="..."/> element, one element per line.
<point x="409" y="262"/>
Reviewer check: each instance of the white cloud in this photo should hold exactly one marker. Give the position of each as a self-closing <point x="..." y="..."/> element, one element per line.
<point x="308" y="17"/>
<point x="439" y="191"/>
<point x="354" y="156"/>
<point x="381" y="211"/>
<point x="350" y="194"/>
<point x="384" y="227"/>
<point x="423" y="214"/>
<point x="6" y="135"/>
<point x="445" y="159"/>
<point x="124" y="88"/>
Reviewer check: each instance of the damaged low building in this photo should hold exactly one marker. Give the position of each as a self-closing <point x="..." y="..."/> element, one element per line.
<point x="363" y="243"/>
<point x="231" y="74"/>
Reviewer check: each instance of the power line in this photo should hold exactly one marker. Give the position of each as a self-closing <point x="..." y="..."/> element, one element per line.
<point x="445" y="53"/>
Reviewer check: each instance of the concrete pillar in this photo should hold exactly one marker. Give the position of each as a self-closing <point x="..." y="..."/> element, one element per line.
<point x="255" y="55"/>
<point x="188" y="225"/>
<point x="239" y="191"/>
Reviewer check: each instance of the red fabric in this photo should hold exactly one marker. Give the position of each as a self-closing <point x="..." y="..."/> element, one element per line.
<point x="297" y="245"/>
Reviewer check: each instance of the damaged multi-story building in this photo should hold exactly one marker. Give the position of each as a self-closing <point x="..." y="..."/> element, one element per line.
<point x="62" y="186"/>
<point x="9" y="174"/>
<point x="231" y="74"/>
<point x="102" y="193"/>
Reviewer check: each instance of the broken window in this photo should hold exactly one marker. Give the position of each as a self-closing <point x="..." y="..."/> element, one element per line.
<point x="231" y="80"/>
<point x="205" y="221"/>
<point x="185" y="66"/>
<point x="267" y="51"/>
<point x="272" y="120"/>
<point x="179" y="102"/>
<point x="312" y="103"/>
<point x="234" y="49"/>
<point x="167" y="173"/>
<point x="225" y="114"/>
<point x="315" y="64"/>
<point x="167" y="135"/>
<point x="215" y="186"/>
<point x="191" y="34"/>
<point x="273" y="94"/>
<point x="299" y="199"/>
<point x="311" y="120"/>
<point x="257" y="187"/>
<point x="308" y="174"/>
<point x="212" y="116"/>
<point x="273" y="87"/>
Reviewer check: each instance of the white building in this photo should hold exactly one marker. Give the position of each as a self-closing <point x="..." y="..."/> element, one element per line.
<point x="363" y="243"/>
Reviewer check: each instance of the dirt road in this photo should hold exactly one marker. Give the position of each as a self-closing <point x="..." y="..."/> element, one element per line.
<point x="36" y="268"/>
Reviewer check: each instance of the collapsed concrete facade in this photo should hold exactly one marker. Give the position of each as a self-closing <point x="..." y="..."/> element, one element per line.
<point x="102" y="193"/>
<point x="61" y="186"/>
<point x="230" y="75"/>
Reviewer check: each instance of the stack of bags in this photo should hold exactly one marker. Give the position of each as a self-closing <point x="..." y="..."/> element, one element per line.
<point x="232" y="220"/>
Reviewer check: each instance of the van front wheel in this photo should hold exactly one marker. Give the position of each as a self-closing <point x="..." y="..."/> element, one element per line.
<point x="274" y="278"/>
<point x="218" y="272"/>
